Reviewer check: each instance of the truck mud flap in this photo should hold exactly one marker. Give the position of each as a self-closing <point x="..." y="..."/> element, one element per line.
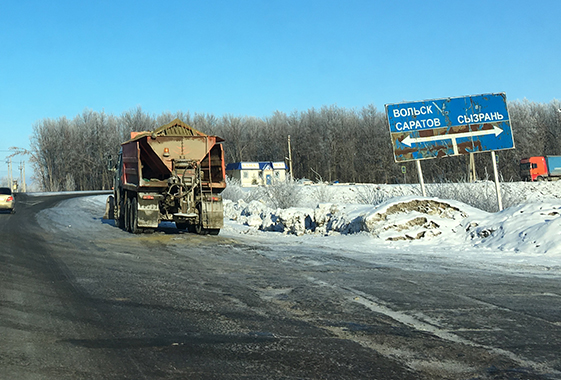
<point x="212" y="214"/>
<point x="148" y="213"/>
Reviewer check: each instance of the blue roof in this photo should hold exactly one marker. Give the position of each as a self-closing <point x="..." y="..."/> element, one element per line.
<point x="263" y="165"/>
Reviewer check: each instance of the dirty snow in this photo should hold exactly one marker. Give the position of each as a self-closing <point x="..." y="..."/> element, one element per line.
<point x="524" y="236"/>
<point x="527" y="234"/>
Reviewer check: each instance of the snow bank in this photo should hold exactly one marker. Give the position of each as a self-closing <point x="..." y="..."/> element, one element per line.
<point x="525" y="237"/>
<point x="529" y="228"/>
<point x="403" y="218"/>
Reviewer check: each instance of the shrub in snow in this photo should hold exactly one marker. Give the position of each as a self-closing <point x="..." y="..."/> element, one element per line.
<point x="482" y="194"/>
<point x="281" y="194"/>
<point x="322" y="194"/>
<point x="372" y="195"/>
<point x="234" y="191"/>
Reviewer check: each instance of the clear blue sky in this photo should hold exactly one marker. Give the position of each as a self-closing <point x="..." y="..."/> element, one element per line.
<point x="254" y="57"/>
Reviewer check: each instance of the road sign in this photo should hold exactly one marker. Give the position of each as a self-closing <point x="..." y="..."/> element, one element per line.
<point x="449" y="126"/>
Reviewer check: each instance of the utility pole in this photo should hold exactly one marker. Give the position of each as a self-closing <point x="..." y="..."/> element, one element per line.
<point x="290" y="159"/>
<point x="10" y="179"/>
<point x="17" y="151"/>
<point x="22" y="176"/>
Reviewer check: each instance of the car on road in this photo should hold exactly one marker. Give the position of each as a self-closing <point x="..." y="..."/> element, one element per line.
<point x="6" y="199"/>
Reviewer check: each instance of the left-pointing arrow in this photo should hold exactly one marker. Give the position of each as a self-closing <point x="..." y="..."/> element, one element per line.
<point x="408" y="140"/>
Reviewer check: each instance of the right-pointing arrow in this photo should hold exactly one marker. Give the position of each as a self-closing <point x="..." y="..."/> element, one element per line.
<point x="408" y="140"/>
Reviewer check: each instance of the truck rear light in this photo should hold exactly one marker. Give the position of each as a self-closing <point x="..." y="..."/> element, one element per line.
<point x="166" y="152"/>
<point x="150" y="197"/>
<point x="214" y="199"/>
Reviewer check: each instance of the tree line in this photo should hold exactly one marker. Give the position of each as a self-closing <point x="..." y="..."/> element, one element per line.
<point x="328" y="144"/>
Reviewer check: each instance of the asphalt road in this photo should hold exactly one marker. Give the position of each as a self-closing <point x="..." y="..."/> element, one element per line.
<point x="89" y="301"/>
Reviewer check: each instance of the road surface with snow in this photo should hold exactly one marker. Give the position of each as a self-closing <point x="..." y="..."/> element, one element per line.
<point x="395" y="299"/>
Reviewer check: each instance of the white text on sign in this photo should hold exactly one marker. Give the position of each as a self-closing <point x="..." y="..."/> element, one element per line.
<point x="480" y="118"/>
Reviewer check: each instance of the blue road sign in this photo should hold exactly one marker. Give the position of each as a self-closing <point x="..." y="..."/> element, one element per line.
<point x="449" y="127"/>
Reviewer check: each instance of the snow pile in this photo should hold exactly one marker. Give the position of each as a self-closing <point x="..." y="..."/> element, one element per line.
<point x="403" y="218"/>
<point x="530" y="228"/>
<point x="256" y="214"/>
<point x="413" y="218"/>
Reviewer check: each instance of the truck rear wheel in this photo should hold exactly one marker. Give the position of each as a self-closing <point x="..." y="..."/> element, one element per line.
<point x="127" y="215"/>
<point x="119" y="215"/>
<point x="199" y="229"/>
<point x="133" y="209"/>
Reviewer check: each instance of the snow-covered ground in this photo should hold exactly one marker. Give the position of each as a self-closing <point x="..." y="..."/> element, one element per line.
<point x="363" y="221"/>
<point x="374" y="222"/>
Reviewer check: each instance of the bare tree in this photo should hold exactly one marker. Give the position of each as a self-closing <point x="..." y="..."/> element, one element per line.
<point x="331" y="143"/>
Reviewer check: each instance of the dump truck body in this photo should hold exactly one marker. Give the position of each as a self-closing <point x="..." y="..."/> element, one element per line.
<point x="174" y="173"/>
<point x="540" y="168"/>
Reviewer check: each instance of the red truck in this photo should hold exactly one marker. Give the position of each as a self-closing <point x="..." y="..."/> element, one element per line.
<point x="541" y="168"/>
<point x="174" y="173"/>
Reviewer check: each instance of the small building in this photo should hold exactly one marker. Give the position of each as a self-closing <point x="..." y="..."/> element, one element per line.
<point x="257" y="173"/>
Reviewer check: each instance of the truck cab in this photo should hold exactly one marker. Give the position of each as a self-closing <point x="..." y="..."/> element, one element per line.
<point x="533" y="169"/>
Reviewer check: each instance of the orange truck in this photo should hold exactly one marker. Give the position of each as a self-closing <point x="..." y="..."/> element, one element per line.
<point x="540" y="168"/>
<point x="174" y="173"/>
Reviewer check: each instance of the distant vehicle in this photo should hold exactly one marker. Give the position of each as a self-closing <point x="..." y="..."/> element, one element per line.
<point x="541" y="168"/>
<point x="6" y="199"/>
<point x="305" y="181"/>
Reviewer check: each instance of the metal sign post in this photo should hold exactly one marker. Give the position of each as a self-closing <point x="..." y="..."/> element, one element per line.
<point x="421" y="181"/>
<point x="497" y="186"/>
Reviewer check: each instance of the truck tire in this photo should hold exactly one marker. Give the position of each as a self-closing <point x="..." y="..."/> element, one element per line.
<point x="109" y="208"/>
<point x="199" y="229"/>
<point x="127" y="215"/>
<point x="133" y="209"/>
<point x="119" y="215"/>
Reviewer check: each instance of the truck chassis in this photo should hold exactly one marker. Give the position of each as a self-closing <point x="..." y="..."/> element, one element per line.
<point x="173" y="174"/>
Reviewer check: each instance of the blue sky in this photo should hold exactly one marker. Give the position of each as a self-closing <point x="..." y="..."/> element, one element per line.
<point x="250" y="58"/>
